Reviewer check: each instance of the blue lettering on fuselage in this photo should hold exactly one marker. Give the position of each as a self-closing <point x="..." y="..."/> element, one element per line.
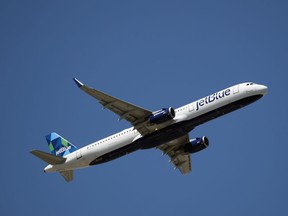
<point x="211" y="98"/>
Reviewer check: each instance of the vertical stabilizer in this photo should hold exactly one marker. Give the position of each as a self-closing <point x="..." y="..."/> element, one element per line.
<point x="59" y="146"/>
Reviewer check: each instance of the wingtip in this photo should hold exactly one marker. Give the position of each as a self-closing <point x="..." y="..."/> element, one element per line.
<point x="78" y="83"/>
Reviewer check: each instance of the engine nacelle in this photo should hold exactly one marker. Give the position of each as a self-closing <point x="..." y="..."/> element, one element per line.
<point x="162" y="115"/>
<point x="197" y="144"/>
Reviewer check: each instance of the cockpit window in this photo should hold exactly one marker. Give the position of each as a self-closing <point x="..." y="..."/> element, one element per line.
<point x="250" y="84"/>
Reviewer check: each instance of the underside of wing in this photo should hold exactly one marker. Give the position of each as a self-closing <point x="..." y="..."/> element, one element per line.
<point x="175" y="150"/>
<point x="133" y="114"/>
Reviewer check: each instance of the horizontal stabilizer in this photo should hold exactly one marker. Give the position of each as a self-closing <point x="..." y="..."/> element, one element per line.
<point x="78" y="83"/>
<point x="49" y="158"/>
<point x="67" y="175"/>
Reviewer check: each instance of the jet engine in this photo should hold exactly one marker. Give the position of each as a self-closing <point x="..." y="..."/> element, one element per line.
<point x="196" y="144"/>
<point x="162" y="115"/>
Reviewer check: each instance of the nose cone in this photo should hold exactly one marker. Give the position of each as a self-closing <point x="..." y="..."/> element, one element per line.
<point x="263" y="89"/>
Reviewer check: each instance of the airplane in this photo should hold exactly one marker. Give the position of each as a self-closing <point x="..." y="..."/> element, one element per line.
<point x="166" y="129"/>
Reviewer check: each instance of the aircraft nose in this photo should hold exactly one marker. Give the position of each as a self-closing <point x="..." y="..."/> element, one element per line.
<point x="263" y="89"/>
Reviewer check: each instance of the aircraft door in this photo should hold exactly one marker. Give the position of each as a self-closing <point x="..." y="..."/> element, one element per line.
<point x="236" y="89"/>
<point x="191" y="107"/>
<point x="78" y="154"/>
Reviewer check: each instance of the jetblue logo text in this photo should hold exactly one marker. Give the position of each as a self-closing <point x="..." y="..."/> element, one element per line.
<point x="211" y="98"/>
<point x="63" y="149"/>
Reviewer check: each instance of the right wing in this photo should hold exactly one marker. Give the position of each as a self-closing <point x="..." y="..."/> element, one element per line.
<point x="175" y="150"/>
<point x="133" y="114"/>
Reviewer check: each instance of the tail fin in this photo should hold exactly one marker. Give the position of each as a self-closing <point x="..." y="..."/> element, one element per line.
<point x="59" y="146"/>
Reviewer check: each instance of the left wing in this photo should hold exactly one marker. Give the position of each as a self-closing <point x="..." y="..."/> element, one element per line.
<point x="133" y="114"/>
<point x="175" y="150"/>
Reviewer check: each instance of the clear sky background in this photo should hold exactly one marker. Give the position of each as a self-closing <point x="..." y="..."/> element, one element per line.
<point x="153" y="54"/>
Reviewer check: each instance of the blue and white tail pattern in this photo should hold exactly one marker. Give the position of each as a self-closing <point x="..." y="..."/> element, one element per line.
<point x="58" y="145"/>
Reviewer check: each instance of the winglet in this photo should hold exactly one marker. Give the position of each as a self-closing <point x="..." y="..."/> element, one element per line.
<point x="78" y="83"/>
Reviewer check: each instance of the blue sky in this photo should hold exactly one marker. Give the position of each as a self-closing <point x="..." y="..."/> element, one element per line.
<point x="153" y="54"/>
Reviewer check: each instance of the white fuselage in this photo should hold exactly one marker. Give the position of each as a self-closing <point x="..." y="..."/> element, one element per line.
<point x="190" y="115"/>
